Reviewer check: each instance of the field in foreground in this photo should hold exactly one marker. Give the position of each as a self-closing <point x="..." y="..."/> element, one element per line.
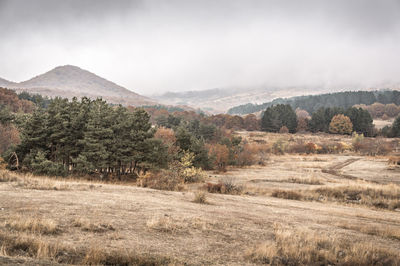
<point x="72" y="222"/>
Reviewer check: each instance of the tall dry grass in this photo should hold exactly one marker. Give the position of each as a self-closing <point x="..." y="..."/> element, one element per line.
<point x="302" y="246"/>
<point x="367" y="194"/>
<point x="34" y="225"/>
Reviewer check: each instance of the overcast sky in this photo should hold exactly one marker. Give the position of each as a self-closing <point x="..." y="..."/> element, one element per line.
<point x="157" y="46"/>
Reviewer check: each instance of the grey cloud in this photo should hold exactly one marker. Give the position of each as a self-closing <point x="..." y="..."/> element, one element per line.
<point x="155" y="45"/>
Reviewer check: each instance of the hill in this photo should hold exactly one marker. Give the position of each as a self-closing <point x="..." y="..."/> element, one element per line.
<point x="312" y="103"/>
<point x="6" y="83"/>
<point x="69" y="81"/>
<point x="222" y="99"/>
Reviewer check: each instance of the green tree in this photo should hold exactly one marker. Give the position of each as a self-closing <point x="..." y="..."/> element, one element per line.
<point x="275" y="117"/>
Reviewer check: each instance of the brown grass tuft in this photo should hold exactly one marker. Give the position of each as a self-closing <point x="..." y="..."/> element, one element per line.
<point x="100" y="256"/>
<point x="386" y="231"/>
<point x="19" y="245"/>
<point x="306" y="247"/>
<point x="163" y="224"/>
<point x="33" y="225"/>
<point x="200" y="197"/>
<point x="88" y="226"/>
<point x="371" y="195"/>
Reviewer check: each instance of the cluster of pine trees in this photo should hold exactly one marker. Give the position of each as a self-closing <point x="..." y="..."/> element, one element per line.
<point x="86" y="136"/>
<point x="314" y="102"/>
<point x="282" y="116"/>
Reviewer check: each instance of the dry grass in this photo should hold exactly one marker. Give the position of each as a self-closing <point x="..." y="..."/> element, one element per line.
<point x="163" y="224"/>
<point x="25" y="246"/>
<point x="305" y="180"/>
<point x="200" y="197"/>
<point x="371" y="195"/>
<point x="6" y="176"/>
<point x="22" y="245"/>
<point x="101" y="256"/>
<point x="28" y="181"/>
<point x="306" y="247"/>
<point x="382" y="231"/>
<point x="88" y="226"/>
<point x="33" y="225"/>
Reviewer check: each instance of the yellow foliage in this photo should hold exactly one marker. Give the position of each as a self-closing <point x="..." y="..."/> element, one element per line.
<point x="3" y="164"/>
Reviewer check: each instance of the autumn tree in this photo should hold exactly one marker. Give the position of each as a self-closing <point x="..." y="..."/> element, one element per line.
<point x="220" y="155"/>
<point x="340" y="124"/>
<point x="251" y="123"/>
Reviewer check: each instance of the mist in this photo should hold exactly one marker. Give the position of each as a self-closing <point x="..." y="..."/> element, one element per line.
<point x="157" y="46"/>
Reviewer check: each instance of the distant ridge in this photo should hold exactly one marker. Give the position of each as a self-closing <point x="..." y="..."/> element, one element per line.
<point x="6" y="83"/>
<point x="71" y="81"/>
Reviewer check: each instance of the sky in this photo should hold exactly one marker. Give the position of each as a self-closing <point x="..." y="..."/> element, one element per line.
<point x="152" y="46"/>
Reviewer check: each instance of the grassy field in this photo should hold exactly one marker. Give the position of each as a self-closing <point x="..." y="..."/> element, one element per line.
<point x="340" y="209"/>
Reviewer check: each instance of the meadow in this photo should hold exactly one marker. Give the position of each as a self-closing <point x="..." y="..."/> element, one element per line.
<point x="291" y="209"/>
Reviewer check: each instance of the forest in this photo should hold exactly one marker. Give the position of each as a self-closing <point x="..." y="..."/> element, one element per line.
<point x="85" y="137"/>
<point x="312" y="103"/>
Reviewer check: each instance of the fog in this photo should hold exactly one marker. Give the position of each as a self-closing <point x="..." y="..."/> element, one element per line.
<point x="158" y="46"/>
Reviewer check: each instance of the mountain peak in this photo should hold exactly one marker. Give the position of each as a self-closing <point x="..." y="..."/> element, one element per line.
<point x="69" y="81"/>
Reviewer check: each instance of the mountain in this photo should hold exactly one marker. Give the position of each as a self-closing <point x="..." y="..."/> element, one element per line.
<point x="221" y="100"/>
<point x="69" y="81"/>
<point x="6" y="83"/>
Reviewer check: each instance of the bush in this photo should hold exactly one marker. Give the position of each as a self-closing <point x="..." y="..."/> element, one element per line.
<point x="373" y="147"/>
<point x="284" y="130"/>
<point x="247" y="155"/>
<point x="162" y="180"/>
<point x="279" y="147"/>
<point x="200" y="197"/>
<point x="340" y="124"/>
<point x="225" y="186"/>
<point x="286" y="194"/>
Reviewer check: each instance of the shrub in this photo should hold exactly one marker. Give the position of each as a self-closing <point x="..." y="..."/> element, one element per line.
<point x="225" y="186"/>
<point x="162" y="180"/>
<point x="247" y="155"/>
<point x="286" y="194"/>
<point x="200" y="197"/>
<point x="220" y="154"/>
<point x="340" y="124"/>
<point x="213" y="188"/>
<point x="279" y="147"/>
<point x="373" y="147"/>
<point x="284" y="130"/>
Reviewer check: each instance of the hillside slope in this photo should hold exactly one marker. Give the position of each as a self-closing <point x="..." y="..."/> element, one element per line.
<point x="69" y="81"/>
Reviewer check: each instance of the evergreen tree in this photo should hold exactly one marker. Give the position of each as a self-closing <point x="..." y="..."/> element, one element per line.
<point x="361" y="120"/>
<point x="395" y="132"/>
<point x="275" y="117"/>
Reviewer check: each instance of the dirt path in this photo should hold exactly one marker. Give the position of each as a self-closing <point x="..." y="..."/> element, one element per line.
<point x="335" y="169"/>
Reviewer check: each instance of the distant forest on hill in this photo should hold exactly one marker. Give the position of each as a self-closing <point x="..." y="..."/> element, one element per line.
<point x="312" y="103"/>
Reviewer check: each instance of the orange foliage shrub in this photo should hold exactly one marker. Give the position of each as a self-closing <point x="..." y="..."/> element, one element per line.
<point x="340" y="124"/>
<point x="9" y="135"/>
<point x="251" y="123"/>
<point x="220" y="154"/>
<point x="284" y="130"/>
<point x="247" y="155"/>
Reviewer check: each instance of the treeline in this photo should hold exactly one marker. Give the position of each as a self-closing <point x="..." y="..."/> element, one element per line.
<point x="382" y="111"/>
<point x="314" y="102"/>
<point x="91" y="137"/>
<point x="11" y="101"/>
<point x="282" y="118"/>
